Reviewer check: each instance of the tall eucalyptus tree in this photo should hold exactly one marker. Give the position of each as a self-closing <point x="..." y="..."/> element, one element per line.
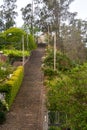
<point x="27" y="16"/>
<point x="57" y="12"/>
<point x="31" y="15"/>
<point x="9" y="13"/>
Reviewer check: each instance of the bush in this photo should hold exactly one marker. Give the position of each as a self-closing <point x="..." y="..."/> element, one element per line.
<point x="54" y="128"/>
<point x="12" y="86"/>
<point x="2" y="106"/>
<point x="2" y="117"/>
<point x="49" y="72"/>
<point x="63" y="63"/>
<point x="32" y="45"/>
<point x="2" y="40"/>
<point x="68" y="94"/>
<point x="16" y="55"/>
<point x="5" y="70"/>
<point x="2" y="113"/>
<point x="13" y="38"/>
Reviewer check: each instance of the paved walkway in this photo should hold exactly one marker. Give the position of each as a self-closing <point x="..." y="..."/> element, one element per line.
<point x="27" y="111"/>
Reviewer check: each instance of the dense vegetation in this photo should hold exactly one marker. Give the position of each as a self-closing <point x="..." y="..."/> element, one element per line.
<point x="5" y="70"/>
<point x="67" y="90"/>
<point x="13" y="38"/>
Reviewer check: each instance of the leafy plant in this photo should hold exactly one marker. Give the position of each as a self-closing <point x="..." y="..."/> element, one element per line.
<point x="2" y="41"/>
<point x="2" y="112"/>
<point x="63" y="63"/>
<point x="14" y="38"/>
<point x="2" y="117"/>
<point x="68" y="93"/>
<point x="12" y="86"/>
<point x="16" y="55"/>
<point x="54" y="128"/>
<point x="49" y="72"/>
<point x="32" y="45"/>
<point x="5" y="70"/>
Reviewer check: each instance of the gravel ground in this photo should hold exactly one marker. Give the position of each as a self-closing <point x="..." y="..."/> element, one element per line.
<point x="27" y="111"/>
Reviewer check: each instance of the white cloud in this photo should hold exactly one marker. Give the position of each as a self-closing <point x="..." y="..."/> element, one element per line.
<point x="79" y="6"/>
<point x="20" y="4"/>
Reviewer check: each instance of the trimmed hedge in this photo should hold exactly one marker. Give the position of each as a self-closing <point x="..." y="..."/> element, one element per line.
<point x="12" y="85"/>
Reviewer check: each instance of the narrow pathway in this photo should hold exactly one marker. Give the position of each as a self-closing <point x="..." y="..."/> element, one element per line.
<point x="27" y="111"/>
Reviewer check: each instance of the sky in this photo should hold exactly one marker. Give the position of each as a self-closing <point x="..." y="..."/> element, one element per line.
<point x="79" y="6"/>
<point x="21" y="4"/>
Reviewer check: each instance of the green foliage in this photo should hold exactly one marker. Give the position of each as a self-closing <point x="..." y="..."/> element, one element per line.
<point x="2" y="40"/>
<point x="2" y="106"/>
<point x="67" y="90"/>
<point x="32" y="45"/>
<point x="54" y="128"/>
<point x="79" y="97"/>
<point x="14" y="37"/>
<point x="8" y="13"/>
<point x="16" y="55"/>
<point x="58" y="93"/>
<point x="5" y="70"/>
<point x="63" y="63"/>
<point x="2" y="112"/>
<point x="12" y="85"/>
<point x="68" y="93"/>
<point x="49" y="72"/>
<point x="2" y="117"/>
<point x="14" y="34"/>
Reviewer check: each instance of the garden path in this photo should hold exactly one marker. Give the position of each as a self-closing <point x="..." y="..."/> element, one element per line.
<point x="27" y="111"/>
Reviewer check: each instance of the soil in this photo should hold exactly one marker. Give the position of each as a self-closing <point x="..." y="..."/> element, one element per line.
<point x="27" y="111"/>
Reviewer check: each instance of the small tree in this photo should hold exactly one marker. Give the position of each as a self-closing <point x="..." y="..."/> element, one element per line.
<point x="14" y="37"/>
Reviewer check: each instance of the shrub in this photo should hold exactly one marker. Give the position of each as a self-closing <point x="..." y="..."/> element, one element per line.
<point x="2" y="40"/>
<point x="68" y="93"/>
<point x="13" y="38"/>
<point x="12" y="86"/>
<point x="32" y="45"/>
<point x="5" y="70"/>
<point x="49" y="72"/>
<point x="2" y="106"/>
<point x="2" y="117"/>
<point x="16" y="55"/>
<point x="54" y="128"/>
<point x="63" y="63"/>
<point x="2" y="113"/>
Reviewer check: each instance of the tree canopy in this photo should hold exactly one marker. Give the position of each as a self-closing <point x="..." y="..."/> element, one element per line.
<point x="8" y="13"/>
